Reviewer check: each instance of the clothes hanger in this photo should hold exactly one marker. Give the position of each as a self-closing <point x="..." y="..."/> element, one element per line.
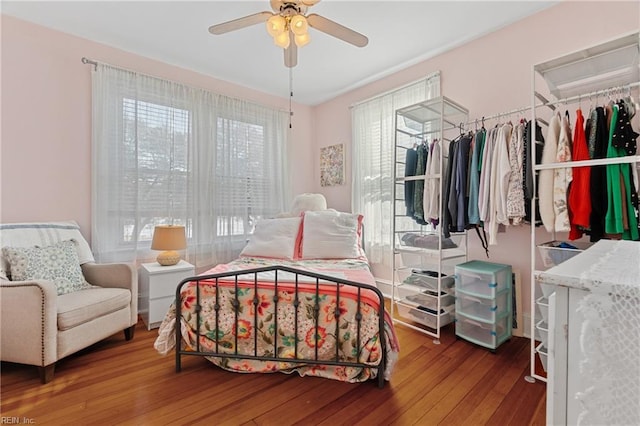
<point x="632" y="106"/>
<point x="417" y="143"/>
<point x="580" y="103"/>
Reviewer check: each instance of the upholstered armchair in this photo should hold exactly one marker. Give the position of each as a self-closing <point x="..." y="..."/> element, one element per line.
<point x="54" y="299"/>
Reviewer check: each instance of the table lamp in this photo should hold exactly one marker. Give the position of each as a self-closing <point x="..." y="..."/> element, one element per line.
<point x="168" y="238"/>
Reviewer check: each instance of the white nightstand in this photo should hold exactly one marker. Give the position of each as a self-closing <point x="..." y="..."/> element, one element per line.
<point x="157" y="289"/>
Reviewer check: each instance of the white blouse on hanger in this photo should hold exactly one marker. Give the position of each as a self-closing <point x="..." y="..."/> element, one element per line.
<point x="562" y="178"/>
<point x="546" y="176"/>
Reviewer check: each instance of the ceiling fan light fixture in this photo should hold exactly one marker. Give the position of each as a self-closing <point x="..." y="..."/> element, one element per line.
<point x="289" y="19"/>
<point x="302" y="40"/>
<point x="282" y="40"/>
<point x="299" y="25"/>
<point x="276" y="25"/>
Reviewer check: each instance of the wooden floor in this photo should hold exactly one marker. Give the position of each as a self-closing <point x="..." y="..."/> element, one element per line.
<point x="129" y="383"/>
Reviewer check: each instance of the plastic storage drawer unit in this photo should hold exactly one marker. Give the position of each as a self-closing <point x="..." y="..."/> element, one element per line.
<point x="483" y="303"/>
<point x="483" y="279"/>
<point x="484" y="309"/>
<point x="482" y="333"/>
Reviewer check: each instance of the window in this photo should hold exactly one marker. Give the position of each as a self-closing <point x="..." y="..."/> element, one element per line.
<point x="373" y="124"/>
<point x="240" y="173"/>
<point x="155" y="166"/>
<point x="167" y="153"/>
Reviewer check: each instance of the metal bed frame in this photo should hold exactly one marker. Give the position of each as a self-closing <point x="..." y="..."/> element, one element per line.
<point x="327" y="280"/>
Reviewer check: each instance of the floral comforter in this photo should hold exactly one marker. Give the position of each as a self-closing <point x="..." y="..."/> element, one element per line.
<point x="272" y="333"/>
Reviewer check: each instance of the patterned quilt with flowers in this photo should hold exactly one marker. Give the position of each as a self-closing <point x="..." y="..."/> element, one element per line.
<point x="272" y="334"/>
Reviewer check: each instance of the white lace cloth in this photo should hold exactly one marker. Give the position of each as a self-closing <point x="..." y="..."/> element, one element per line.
<point x="610" y="335"/>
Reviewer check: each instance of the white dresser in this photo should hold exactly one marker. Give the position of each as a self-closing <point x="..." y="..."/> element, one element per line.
<point x="157" y="289"/>
<point x="593" y="374"/>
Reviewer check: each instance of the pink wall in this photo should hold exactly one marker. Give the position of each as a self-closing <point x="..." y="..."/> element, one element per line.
<point x="489" y="75"/>
<point x="46" y="120"/>
<point x="46" y="107"/>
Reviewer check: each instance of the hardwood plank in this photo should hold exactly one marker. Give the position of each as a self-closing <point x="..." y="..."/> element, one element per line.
<point x="449" y="379"/>
<point x="129" y="383"/>
<point x="502" y="370"/>
<point x="367" y="399"/>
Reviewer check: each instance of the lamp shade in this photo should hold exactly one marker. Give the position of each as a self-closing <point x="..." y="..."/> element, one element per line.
<point x="282" y="40"/>
<point x="299" y="25"/>
<point x="168" y="238"/>
<point x="302" y="40"/>
<point x="276" y="25"/>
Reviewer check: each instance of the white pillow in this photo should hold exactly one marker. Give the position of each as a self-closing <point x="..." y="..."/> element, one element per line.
<point x="330" y="234"/>
<point x="308" y="202"/>
<point x="274" y="238"/>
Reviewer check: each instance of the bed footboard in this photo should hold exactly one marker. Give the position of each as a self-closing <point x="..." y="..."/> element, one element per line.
<point x="284" y="317"/>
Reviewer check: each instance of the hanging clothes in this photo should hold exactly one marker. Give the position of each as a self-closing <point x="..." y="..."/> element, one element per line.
<point x="546" y="176"/>
<point x="562" y="178"/>
<point x="624" y="137"/>
<point x="579" y="198"/>
<point x="431" y="192"/>
<point x="461" y="217"/>
<point x="410" y="165"/>
<point x="620" y="219"/>
<point x="475" y="168"/>
<point x="418" y="189"/>
<point x="598" y="183"/>
<point x="593" y="129"/>
<point x="499" y="183"/>
<point x="446" y="216"/>
<point x="452" y="204"/>
<point x="515" y="193"/>
<point x="535" y="144"/>
<point x="474" y="177"/>
<point x="484" y="190"/>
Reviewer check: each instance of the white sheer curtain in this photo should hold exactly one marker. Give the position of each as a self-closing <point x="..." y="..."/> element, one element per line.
<point x="373" y="127"/>
<point x="167" y="153"/>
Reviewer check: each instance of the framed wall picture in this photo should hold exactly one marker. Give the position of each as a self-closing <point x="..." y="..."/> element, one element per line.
<point x="332" y="165"/>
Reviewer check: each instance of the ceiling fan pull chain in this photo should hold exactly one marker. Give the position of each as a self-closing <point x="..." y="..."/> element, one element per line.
<point x="290" y="95"/>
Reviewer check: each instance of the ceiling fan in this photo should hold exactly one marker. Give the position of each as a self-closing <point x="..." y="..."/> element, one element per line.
<point x="289" y="18"/>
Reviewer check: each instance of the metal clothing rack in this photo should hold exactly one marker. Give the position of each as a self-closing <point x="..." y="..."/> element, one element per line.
<point x="577" y="65"/>
<point x="603" y="92"/>
<point x="552" y="104"/>
<point x="577" y="98"/>
<point x="503" y="114"/>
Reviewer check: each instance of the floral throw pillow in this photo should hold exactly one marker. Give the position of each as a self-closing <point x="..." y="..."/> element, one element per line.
<point x="58" y="263"/>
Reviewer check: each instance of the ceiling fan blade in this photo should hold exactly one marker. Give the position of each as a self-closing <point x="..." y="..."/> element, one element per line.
<point x="291" y="55"/>
<point x="236" y="24"/>
<point x="309" y="2"/>
<point x="336" y="30"/>
<point x="276" y="5"/>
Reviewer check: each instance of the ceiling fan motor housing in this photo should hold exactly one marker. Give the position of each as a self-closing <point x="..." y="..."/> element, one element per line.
<point x="288" y="8"/>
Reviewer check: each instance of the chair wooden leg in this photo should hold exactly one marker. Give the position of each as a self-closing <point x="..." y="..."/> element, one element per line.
<point x="46" y="373"/>
<point x="128" y="332"/>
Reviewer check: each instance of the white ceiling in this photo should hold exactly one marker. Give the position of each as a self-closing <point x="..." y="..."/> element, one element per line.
<point x="401" y="33"/>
